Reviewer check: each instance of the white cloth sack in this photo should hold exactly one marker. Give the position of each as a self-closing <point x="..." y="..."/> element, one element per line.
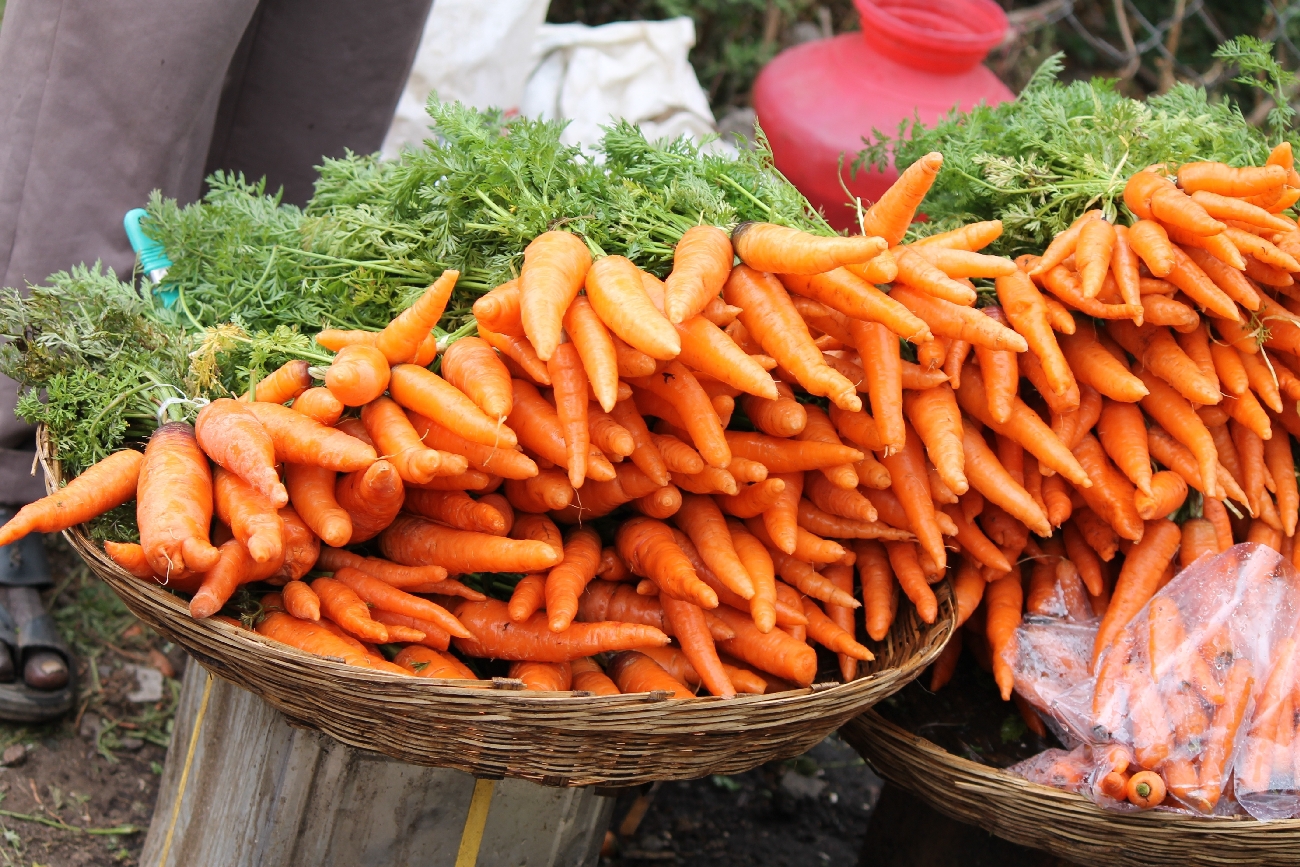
<point x="636" y="70"/>
<point x="479" y="52"/>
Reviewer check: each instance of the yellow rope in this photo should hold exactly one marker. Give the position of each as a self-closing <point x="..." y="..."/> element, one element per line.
<point x="185" y="771"/>
<point x="472" y="837"/>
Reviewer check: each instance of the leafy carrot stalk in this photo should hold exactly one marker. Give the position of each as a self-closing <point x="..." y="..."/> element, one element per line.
<point x="301" y="601"/>
<point x="302" y="440"/>
<point x="987" y="475"/>
<point x="782" y="250"/>
<point x="906" y="567"/>
<point x="775" y="651"/>
<point x="771" y="318"/>
<point x="108" y="484"/>
<point x="891" y="215"/>
<point x="701" y="264"/>
<point x="371" y="497"/>
<point x="434" y="398"/>
<point x="496" y="636"/>
<point x="555" y="266"/>
<point x="648" y="548"/>
<point x="1137" y="581"/>
<point x="1173" y="413"/>
<point x="340" y="603"/>
<point x="566" y="581"/>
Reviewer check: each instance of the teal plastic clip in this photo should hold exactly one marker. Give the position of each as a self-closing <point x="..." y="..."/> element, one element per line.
<point x="151" y="255"/>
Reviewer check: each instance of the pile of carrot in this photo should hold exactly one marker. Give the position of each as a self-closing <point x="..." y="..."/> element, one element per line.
<point x="780" y="409"/>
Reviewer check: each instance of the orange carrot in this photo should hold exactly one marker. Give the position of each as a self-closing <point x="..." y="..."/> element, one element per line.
<point x="499" y="461"/>
<point x="311" y="490"/>
<point x="283" y="384"/>
<point x="1150" y="242"/>
<point x="678" y="386"/>
<point x="401" y="338"/>
<point x="358" y="375"/>
<point x="538" y="427"/>
<point x="987" y="475"/>
<point x="456" y="509"/>
<point x="301" y="601"/>
<point x="1092" y="254"/>
<point x="109" y="483"/>
<point x="782" y="417"/>
<point x="911" y="485"/>
<point x="340" y="603"/>
<point x="786" y="456"/>
<point x="432" y="663"/>
<point x="1123" y="435"/>
<point x="617" y="294"/>
<point x="496" y="636"/>
<point x="701" y="519"/>
<point x="879" y="589"/>
<point x="937" y="420"/>
<point x="314" y="638"/>
<point x="882" y="365"/>
<point x="1137" y="580"/>
<point x="1173" y="413"/>
<point x="635" y="672"/>
<point x="555" y="266"/>
<point x="371" y="497"/>
<point x="1168" y="493"/>
<point x="319" y="404"/>
<point x="528" y="597"/>
<point x="1093" y="365"/>
<point x="850" y="295"/>
<point x="1111" y="495"/>
<point x="701" y="264"/>
<point x="590" y="677"/>
<point x="570" y="382"/>
<point x="891" y="215"/>
<point x="433" y="397"/>
<point x="397" y="440"/>
<point x="692" y="632"/>
<point x="1261" y="378"/>
<point x="1003" y="599"/>
<point x="401" y="577"/>
<point x="302" y="440"/>
<point x="645" y="455"/>
<point x="1277" y="456"/>
<point x="472" y="366"/>
<point x="1063" y="245"/>
<point x="782" y="250"/>
<point x="1227" y="181"/>
<point x="234" y="438"/>
<point x="774" y="651"/>
<point x="385" y="597"/>
<point x="565" y="582"/>
<point x="907" y="568"/>
<point x="753" y="500"/>
<point x="959" y="323"/>
<point x="251" y="516"/>
<point x="517" y="351"/>
<point x="414" y="541"/>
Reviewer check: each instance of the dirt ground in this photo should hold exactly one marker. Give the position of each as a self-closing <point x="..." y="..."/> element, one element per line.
<point x="82" y="792"/>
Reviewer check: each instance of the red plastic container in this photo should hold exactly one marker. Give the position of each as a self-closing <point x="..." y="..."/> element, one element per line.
<point x="919" y="58"/>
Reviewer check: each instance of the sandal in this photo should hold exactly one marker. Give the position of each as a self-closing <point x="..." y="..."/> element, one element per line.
<point x="32" y="648"/>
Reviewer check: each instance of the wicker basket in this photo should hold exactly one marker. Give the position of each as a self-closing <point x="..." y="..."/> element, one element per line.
<point x="558" y="739"/>
<point x="1067" y="825"/>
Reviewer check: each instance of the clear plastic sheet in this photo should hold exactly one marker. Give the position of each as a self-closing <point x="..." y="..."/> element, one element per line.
<point x="1202" y="687"/>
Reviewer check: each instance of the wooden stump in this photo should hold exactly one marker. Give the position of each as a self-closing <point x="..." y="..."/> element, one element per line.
<point x="260" y="793"/>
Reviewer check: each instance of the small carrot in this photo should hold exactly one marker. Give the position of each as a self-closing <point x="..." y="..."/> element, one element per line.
<point x="528" y="597"/>
<point x="1168" y="493"/>
<point x="401" y="338"/>
<point x="371" y="497"/>
<point x="234" y="438"/>
<point x="517" y="351"/>
<point x="319" y="404"/>
<point x="1173" y="413"/>
<point x="892" y="214"/>
<point x="538" y="427"/>
<point x="496" y="636"/>
<point x="456" y="509"/>
<point x="1063" y="245"/>
<point x="1111" y="495"/>
<point x="500" y="461"/>
<point x="302" y="440"/>
<point x="879" y="589"/>
<point x="918" y="272"/>
<point x="1277" y="457"/>
<point x="1027" y="311"/>
<point x="987" y="475"/>
<point x="1093" y="365"/>
<point x="1137" y="579"/>
<point x="1219" y="178"/>
<point x="753" y="500"/>
<point x="385" y="597"/>
<point x="635" y="672"/>
<point x="1145" y="790"/>
<point x="692" y="633"/>
<point x="570" y="394"/>
<point x="936" y="418"/>
<point x="311" y="490"/>
<point x="959" y="323"/>
<point x="313" y="638"/>
<point x="107" y="484"/>
<point x="907" y="569"/>
<point x="786" y="456"/>
<point x="644" y="455"/>
<point x="1150" y="242"/>
<point x="401" y="577"/>
<point x="555" y="266"/>
<point x="849" y="295"/>
<point x="414" y="541"/>
<point x="1123" y="435"/>
<point x="433" y="397"/>
<point x="907" y="468"/>
<point x="566" y="581"/>
<point x="782" y="417"/>
<point x="678" y="386"/>
<point x="701" y="263"/>
<point x="472" y="366"/>
<point x="397" y="440"/>
<point x="301" y="601"/>
<point x="341" y="604"/>
<point x="358" y="375"/>
<point x="432" y="663"/>
<point x="1092" y="254"/>
<point x="775" y="651"/>
<point x="615" y="289"/>
<point x="595" y="346"/>
<point x="590" y="677"/>
<point x="1003" y="599"/>
<point x="782" y="250"/>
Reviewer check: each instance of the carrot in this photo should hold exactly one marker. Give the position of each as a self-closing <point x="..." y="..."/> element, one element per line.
<point x="174" y="503"/>
<point x="972" y="237"/>
<point x="1096" y="367"/>
<point x="608" y="435"/>
<point x="1168" y="493"/>
<point x="1189" y="277"/>
<point x="936" y="418"/>
<point x="930" y="356"/>
<point x="385" y="597"/>
<point x="1025" y="427"/>
<point x="233" y="438"/>
<point x="1002" y="600"/>
<point x="1145" y="790"/>
<point x="907" y="468"/>
<point x="1064" y="284"/>
<point x="882" y="364"/>
<point x="692" y="632"/>
<point x="539" y="528"/>
<point x="1227" y="181"/>
<point x="838" y="501"/>
<point x="987" y="475"/>
<point x="498" y="310"/>
<point x="644" y="455"/>
<point x="1156" y="350"/>
<point x="920" y="273"/>
<point x="872" y="473"/>
<point x="770" y="316"/>
<point x="1228" y="279"/>
<point x="831" y="635"/>
<point x="1092" y="254"/>
<point x="1137" y="579"/>
<point x="496" y="636"/>
<point x="528" y="597"/>
<point x="959" y="264"/>
<point x="617" y="294"/>
<point x="1000" y="374"/>
<point x="313" y="638"/>
<point x="1278" y="459"/>
<point x="414" y="541"/>
<point x="358" y="375"/>
<point x="879" y="589"/>
<point x="543" y="676"/>
<point x="1056" y="500"/>
<point x="820" y="523"/>
<point x="401" y="338"/>
<point x="782" y="417"/>
<point x="472" y="366"/>
<point x="775" y="651"/>
<point x="311" y="489"/>
<point x="432" y="663"/>
<point x="1246" y="410"/>
<point x="974" y="543"/>
<point x="1261" y="378"/>
<point x="648" y="548"/>
<point x="678" y="386"/>
<point x="1218" y="744"/>
<point x="1063" y="245"/>
<point x="1159" y="310"/>
<point x="555" y="266"/>
<point x="959" y="323"/>
<point x="758" y="565"/>
<point x="754" y="499"/>
<point x="518" y="351"/>
<point x="106" y="485"/>
<point x="1111" y="495"/>
<point x="892" y="214"/>
<point x="1124" y="267"/>
<point x="401" y="577"/>
<point x="397" y="440"/>
<point x="434" y="398"/>
<point x="565" y="582"/>
<point x="635" y="672"/>
<point x="301" y="601"/>
<point x="702" y="520"/>
<point x="907" y="568"/>
<point x="283" y="384"/>
<point x="1150" y="242"/>
<point x="302" y="440"/>
<point x="570" y="394"/>
<point x="131" y="558"/>
<point x="1123" y="435"/>
<point x="820" y="429"/>
<point x="371" y="497"/>
<point x="782" y="250"/>
<point x="786" y="456"/>
<point x="457" y="510"/>
<point x="319" y="404"/>
<point x="218" y="584"/>
<point x="1027" y="311"/>
<point x="590" y="678"/>
<point x="701" y="262"/>
<point x="1196" y="343"/>
<point x="341" y="604"/>
<point x="1169" y="410"/>
<point x="500" y="461"/>
<point x="849" y="295"/>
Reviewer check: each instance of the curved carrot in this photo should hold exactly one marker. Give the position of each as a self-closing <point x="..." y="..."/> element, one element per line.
<point x="432" y="396"/>
<point x="771" y="318"/>
<point x="708" y="349"/>
<point x="1000" y="373"/>
<point x="635" y="672"/>
<point x="648" y="548"/>
<point x="385" y="597"/>
<point x="1261" y="375"/>
<point x="251" y="516"/>
<point x="498" y="310"/>
<point x="371" y="497"/>
<point x="1027" y="311"/>
<point x="678" y="386"/>
<point x="358" y="375"/>
<point x="782" y="250"/>
<point x="341" y="604"/>
<point x="879" y="589"/>
<point x="775" y="652"/>
<point x="130" y="556"/>
<point x="1124" y="267"/>
<point x="1173" y="413"/>
<point x="691" y="630"/>
<point x="846" y="292"/>
<point x="1064" y="284"/>
<point x="1092" y="254"/>
<point x="233" y="568"/>
<point x="1281" y="466"/>
<point x="543" y="676"/>
<point x="107" y="484"/>
<point x="911" y="484"/>
<point x="311" y="490"/>
<point x="547" y="491"/>
<point x="1123" y="435"/>
<point x="538" y="427"/>
<point x="644" y="455"/>
<point x="936" y="418"/>
<point x="433" y="663"/>
<point x="1063" y="245"/>
<point x="401" y="577"/>
<point x="313" y="638"/>
<point x="892" y="214"/>
<point x="302" y="440"/>
<point x="781" y="417"/>
<point x="595" y="347"/>
<point x="1096" y="367"/>
<point x="401" y="338"/>
<point x="972" y="236"/>
<point x="590" y="677"/>
<point x="1215" y="177"/>
<point x="456" y="509"/>
<point x="753" y="500"/>
<point x="974" y="543"/>
<point x="1168" y="493"/>
<point x="500" y="461"/>
<point x="282" y="384"/>
<point x="1150" y="242"/>
<point x="496" y="636"/>
<point x="617" y="294"/>
<point x="701" y="263"/>
<point x="234" y="438"/>
<point x="570" y="393"/>
<point x="566" y="581"/>
<point x="701" y="519"/>
<point x="301" y="601"/>
<point x="1111" y="495"/>
<point x="1003" y="599"/>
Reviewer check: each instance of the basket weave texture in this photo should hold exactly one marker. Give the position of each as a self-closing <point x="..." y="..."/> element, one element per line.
<point x="1069" y="826"/>
<point x="557" y="739"/>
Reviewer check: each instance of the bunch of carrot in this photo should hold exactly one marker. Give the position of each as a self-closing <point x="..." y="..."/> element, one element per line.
<point x="764" y="426"/>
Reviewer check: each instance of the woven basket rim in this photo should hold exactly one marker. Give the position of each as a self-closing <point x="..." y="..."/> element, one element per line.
<point x="251" y="642"/>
